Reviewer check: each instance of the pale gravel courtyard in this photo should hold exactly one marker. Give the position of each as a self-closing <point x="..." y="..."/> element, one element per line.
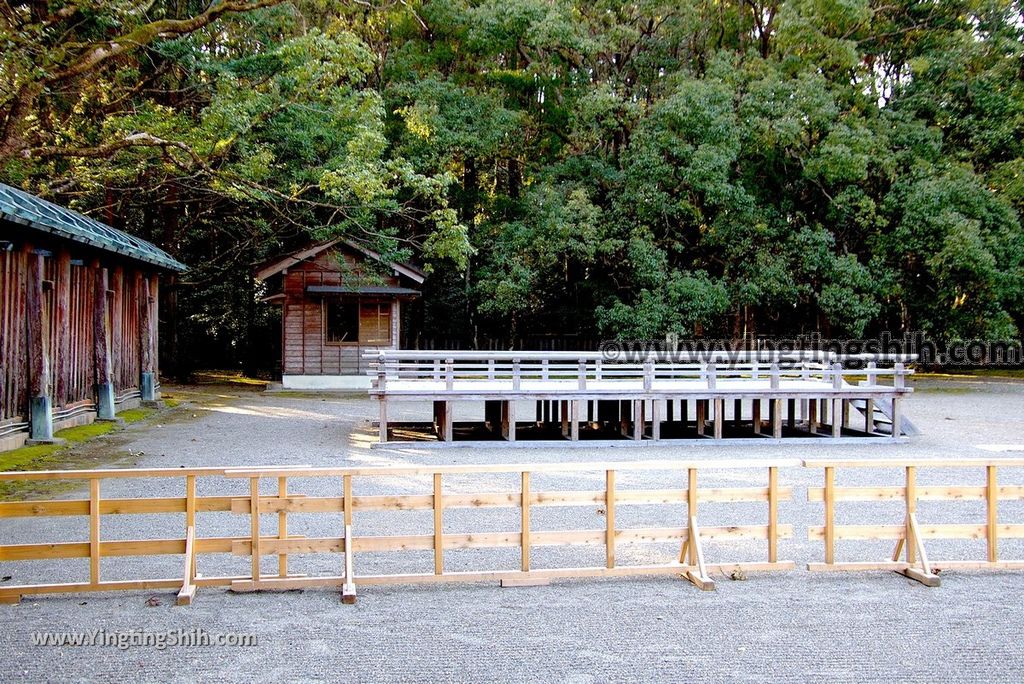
<point x="788" y="626"/>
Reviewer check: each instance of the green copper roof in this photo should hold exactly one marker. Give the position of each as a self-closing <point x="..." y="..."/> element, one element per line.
<point x="25" y="209"/>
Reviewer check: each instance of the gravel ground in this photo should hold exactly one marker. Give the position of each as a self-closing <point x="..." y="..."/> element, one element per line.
<point x="785" y="626"/>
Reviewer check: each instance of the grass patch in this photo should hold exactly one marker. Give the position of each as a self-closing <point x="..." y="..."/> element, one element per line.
<point x="136" y="414"/>
<point x="994" y="373"/>
<point x="228" y="377"/>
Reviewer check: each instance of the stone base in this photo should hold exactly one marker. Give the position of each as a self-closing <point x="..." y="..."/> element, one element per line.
<point x="153" y="404"/>
<point x="326" y="382"/>
<point x="105" y="407"/>
<point x="40" y="420"/>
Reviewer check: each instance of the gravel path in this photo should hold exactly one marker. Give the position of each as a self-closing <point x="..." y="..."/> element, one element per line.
<point x="792" y="626"/>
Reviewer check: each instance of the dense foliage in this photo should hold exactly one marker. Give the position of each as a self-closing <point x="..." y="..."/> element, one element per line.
<point x="606" y="168"/>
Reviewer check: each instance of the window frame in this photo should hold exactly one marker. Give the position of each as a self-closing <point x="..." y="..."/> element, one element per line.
<point x="323" y="324"/>
<point x="359" y="304"/>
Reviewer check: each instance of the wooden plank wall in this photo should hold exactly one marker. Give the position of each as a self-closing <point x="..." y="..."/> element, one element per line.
<point x="304" y="350"/>
<point x="68" y="306"/>
<point x="13" y="336"/>
<point x="125" y="315"/>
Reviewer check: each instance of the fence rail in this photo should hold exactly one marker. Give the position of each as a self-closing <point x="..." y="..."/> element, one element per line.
<point x="909" y="533"/>
<point x="684" y="484"/>
<point x="691" y="560"/>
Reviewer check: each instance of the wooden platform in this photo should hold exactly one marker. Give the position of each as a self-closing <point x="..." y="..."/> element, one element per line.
<point x="718" y="396"/>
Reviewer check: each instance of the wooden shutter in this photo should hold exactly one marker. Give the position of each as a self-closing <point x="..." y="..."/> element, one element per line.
<point x="375" y="324"/>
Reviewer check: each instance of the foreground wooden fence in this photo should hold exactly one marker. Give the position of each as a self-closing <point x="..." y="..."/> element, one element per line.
<point x="688" y="533"/>
<point x="685" y="488"/>
<point x="908" y="532"/>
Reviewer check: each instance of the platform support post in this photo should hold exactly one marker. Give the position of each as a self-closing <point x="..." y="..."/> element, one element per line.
<point x="755" y="415"/>
<point x="776" y="418"/>
<point x="448" y="431"/>
<point x="655" y="419"/>
<point x="574" y="420"/>
<point x="508" y="420"/>
<point x="702" y="415"/>
<point x="869" y="416"/>
<point x="837" y="418"/>
<point x="719" y="417"/>
<point x="383" y="420"/>
<point x="638" y="419"/>
<point x="897" y="418"/>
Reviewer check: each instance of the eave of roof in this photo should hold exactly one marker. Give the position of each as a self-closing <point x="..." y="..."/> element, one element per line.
<point x="366" y="290"/>
<point x="32" y="212"/>
<point x="275" y="267"/>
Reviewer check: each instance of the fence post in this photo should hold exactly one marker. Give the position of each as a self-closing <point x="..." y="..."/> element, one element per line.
<point x="348" y="589"/>
<point x="94" y="531"/>
<point x="910" y="495"/>
<point x="830" y="515"/>
<point x="282" y="525"/>
<point x="773" y="513"/>
<point x="190" y="509"/>
<point x="438" y="526"/>
<point x="992" y="498"/>
<point x="525" y="506"/>
<point x="609" y="509"/>
<point x="254" y="526"/>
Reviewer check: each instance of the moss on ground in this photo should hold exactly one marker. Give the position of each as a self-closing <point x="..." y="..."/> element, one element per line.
<point x="136" y="414"/>
<point x="63" y="456"/>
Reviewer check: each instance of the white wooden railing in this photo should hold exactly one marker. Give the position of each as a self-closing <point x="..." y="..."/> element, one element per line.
<point x="582" y="371"/>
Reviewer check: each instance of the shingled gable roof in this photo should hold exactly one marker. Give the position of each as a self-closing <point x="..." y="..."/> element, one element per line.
<point x="32" y="212"/>
<point x="275" y="267"/>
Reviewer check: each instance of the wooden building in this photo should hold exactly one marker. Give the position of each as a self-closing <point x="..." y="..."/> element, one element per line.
<point x="78" y="318"/>
<point x="338" y="300"/>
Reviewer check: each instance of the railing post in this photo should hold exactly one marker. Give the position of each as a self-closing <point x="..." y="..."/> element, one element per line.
<point x="648" y="374"/>
<point x="516" y="375"/>
<point x="712" y="375"/>
<point x="382" y="375"/>
<point x="449" y="374"/>
<point x="992" y="526"/>
<point x="581" y="374"/>
<point x="872" y="378"/>
<point x="900" y="379"/>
